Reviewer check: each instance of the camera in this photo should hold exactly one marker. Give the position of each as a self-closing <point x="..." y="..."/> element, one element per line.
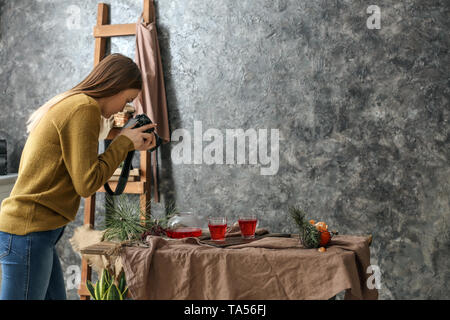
<point x="142" y="120"/>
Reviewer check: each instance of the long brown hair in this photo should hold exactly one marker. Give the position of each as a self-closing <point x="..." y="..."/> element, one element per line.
<point x="112" y="75"/>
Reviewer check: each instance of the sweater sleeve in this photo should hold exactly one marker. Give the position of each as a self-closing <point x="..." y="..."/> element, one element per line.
<point x="79" y="146"/>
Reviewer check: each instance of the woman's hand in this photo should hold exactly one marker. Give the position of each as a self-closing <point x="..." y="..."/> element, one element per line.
<point x="142" y="141"/>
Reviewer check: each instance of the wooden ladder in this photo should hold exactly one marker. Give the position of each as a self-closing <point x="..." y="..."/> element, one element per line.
<point x="103" y="31"/>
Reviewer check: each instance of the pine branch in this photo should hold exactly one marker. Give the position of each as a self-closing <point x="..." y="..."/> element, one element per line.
<point x="126" y="221"/>
<point x="309" y="235"/>
<point x="171" y="209"/>
<point x="158" y="226"/>
<point x="123" y="221"/>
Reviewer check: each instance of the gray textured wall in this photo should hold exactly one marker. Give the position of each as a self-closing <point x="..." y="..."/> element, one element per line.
<point x="363" y="114"/>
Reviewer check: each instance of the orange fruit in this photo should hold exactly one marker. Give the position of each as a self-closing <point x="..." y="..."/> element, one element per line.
<point x="321" y="226"/>
<point x="325" y="237"/>
<point x="322" y="249"/>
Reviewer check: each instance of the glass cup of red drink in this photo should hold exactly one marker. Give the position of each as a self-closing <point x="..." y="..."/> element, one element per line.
<point x="248" y="224"/>
<point x="217" y="227"/>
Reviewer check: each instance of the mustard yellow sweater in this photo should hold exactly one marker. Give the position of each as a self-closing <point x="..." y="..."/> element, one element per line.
<point x="60" y="163"/>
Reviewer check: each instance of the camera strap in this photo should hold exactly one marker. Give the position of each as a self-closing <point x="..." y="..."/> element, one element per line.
<point x="123" y="179"/>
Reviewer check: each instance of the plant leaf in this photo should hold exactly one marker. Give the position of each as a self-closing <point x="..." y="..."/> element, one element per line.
<point x="97" y="291"/>
<point x="125" y="293"/>
<point x="91" y="289"/>
<point x="113" y="293"/>
<point x="122" y="281"/>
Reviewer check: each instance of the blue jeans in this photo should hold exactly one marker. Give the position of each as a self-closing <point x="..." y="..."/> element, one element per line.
<point x="30" y="266"/>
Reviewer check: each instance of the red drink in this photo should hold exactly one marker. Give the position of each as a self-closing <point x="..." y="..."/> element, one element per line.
<point x="217" y="231"/>
<point x="248" y="227"/>
<point x="184" y="232"/>
<point x="217" y="228"/>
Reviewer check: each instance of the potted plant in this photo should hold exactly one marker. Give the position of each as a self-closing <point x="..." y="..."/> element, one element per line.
<point x="108" y="288"/>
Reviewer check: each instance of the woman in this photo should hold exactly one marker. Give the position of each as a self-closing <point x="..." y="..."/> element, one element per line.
<point x="60" y="164"/>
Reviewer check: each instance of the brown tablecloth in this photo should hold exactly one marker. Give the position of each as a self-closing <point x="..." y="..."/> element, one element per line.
<point x="268" y="268"/>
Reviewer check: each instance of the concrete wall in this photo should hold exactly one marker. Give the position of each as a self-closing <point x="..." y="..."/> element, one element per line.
<point x="362" y="113"/>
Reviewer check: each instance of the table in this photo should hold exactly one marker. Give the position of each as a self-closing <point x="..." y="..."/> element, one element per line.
<point x="269" y="268"/>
